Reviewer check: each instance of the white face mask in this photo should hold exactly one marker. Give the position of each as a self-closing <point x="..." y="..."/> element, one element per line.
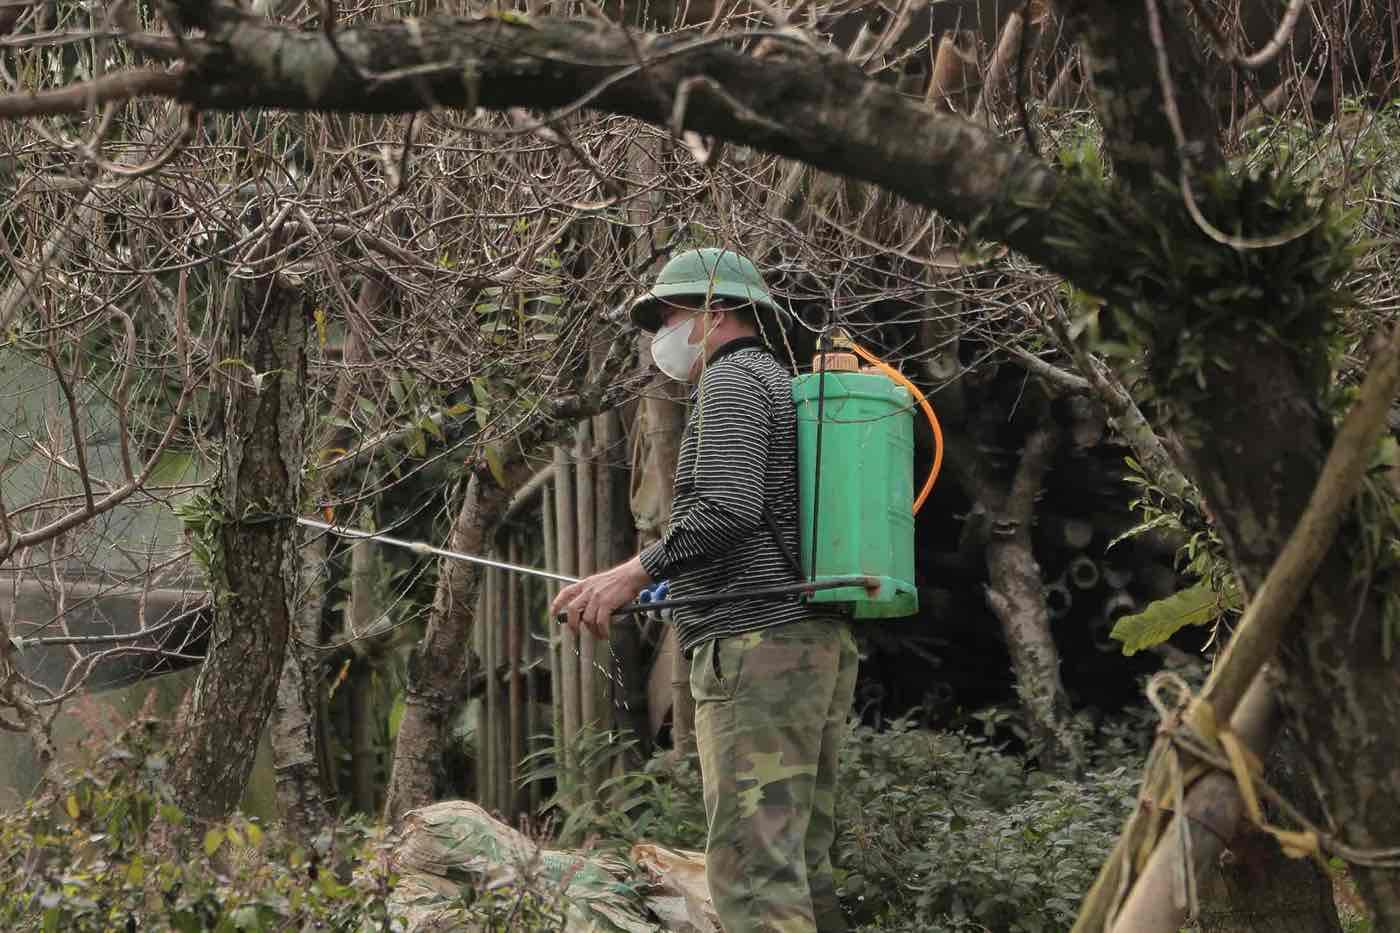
<point x="672" y="350"/>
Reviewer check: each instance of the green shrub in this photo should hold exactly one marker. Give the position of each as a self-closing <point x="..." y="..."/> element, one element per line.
<point x="943" y="831"/>
<point x="938" y="830"/>
<point x="660" y="802"/>
<point x="108" y="849"/>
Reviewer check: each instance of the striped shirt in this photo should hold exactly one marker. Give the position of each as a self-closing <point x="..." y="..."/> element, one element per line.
<point x="739" y="453"/>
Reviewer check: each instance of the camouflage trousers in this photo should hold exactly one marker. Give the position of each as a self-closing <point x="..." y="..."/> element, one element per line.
<point x="770" y="717"/>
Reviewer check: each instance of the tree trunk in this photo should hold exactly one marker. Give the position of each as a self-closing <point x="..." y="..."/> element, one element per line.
<point x="1251" y="430"/>
<point x="253" y="560"/>
<point x="1015" y="593"/>
<point x="1338" y="686"/>
<point x="437" y="667"/>
<point x="1254" y="887"/>
<point x="293" y="725"/>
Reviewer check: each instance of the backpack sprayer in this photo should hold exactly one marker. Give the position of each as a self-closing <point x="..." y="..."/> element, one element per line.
<point x="856" y="502"/>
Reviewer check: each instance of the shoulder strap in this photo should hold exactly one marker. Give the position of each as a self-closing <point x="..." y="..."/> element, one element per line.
<point x="790" y="557"/>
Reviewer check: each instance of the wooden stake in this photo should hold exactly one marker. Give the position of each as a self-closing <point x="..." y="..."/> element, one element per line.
<point x="363" y="767"/>
<point x="606" y="431"/>
<point x="515" y="616"/>
<point x="566" y="528"/>
<point x="500" y="726"/>
<point x="556" y="665"/>
<point x="586" y="506"/>
<point x="485" y="766"/>
<point x="1000" y="72"/>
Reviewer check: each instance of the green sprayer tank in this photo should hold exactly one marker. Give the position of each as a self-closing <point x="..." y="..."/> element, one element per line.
<point x="866" y="522"/>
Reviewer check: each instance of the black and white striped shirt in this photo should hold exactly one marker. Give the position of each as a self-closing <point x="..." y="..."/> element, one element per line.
<point x="739" y="453"/>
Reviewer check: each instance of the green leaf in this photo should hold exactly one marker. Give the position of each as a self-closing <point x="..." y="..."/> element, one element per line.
<point x="396" y="716"/>
<point x="1198" y="605"/>
<point x="212" y="840"/>
<point x="493" y="460"/>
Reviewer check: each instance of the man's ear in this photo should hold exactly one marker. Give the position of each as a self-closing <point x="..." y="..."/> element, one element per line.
<point x="710" y="320"/>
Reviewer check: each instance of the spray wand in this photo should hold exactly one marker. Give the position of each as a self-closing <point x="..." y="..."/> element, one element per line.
<point x="634" y="608"/>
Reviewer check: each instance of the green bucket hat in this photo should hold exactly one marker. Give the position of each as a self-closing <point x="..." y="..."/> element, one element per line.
<point x="709" y="273"/>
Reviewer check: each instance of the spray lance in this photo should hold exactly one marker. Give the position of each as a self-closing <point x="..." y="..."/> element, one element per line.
<point x="635" y="608"/>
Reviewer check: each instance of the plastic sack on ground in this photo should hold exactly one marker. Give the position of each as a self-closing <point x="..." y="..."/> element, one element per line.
<point x="449" y="845"/>
<point x="676" y="889"/>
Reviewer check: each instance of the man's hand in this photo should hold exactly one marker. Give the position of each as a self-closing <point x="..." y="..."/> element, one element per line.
<point x="590" y="602"/>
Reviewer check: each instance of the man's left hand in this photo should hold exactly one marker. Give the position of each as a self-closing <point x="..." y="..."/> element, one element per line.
<point x="590" y="602"/>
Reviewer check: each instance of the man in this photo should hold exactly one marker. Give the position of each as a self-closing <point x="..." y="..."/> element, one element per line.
<point x="773" y="680"/>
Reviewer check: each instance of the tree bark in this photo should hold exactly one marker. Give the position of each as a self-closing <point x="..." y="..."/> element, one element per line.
<point x="254" y="563"/>
<point x="1251" y="433"/>
<point x="1016" y="595"/>
<point x="293" y="725"/>
<point x="437" y="667"/>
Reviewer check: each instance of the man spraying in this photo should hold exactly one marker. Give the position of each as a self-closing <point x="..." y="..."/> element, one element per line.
<point x="773" y="679"/>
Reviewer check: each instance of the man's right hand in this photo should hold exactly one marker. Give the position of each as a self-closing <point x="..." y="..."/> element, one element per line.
<point x="590" y="602"/>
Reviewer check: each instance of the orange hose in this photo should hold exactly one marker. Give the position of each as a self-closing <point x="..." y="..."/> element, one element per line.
<point x="900" y="378"/>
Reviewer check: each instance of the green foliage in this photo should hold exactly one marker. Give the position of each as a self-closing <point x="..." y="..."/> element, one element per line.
<point x="108" y="849"/>
<point x="1195" y="605"/>
<point x="938" y="831"/>
<point x="1212" y="601"/>
<point x="660" y="803"/>
<point x="942" y="831"/>
<point x="203" y="516"/>
<point x="1174" y="290"/>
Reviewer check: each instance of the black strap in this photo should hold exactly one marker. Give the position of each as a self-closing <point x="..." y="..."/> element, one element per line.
<point x="790" y="557"/>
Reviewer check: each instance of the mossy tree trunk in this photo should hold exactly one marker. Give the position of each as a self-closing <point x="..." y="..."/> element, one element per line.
<point x="254" y="563"/>
<point x="1242" y="398"/>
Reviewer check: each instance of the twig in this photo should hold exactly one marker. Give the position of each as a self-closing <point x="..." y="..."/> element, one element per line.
<point x="1058" y="377"/>
<point x="75" y="98"/>
<point x="1270" y="50"/>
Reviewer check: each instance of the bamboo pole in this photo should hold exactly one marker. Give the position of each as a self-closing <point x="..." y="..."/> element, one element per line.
<point x="515" y="616"/>
<point x="500" y="728"/>
<point x="627" y="687"/>
<point x="1213" y="805"/>
<point x="586" y="506"/>
<point x="484" y="767"/>
<point x="605" y="431"/>
<point x="682" y="704"/>
<point x="525" y="496"/>
<point x="554" y="638"/>
<point x="566" y="528"/>
<point x="999" y="81"/>
<point x="530" y="795"/>
<point x="362" y="765"/>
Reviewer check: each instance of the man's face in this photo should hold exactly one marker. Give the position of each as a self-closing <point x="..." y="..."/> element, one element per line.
<point x="675" y="310"/>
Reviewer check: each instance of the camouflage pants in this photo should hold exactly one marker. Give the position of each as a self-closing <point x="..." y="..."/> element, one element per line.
<point x="770" y="716"/>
